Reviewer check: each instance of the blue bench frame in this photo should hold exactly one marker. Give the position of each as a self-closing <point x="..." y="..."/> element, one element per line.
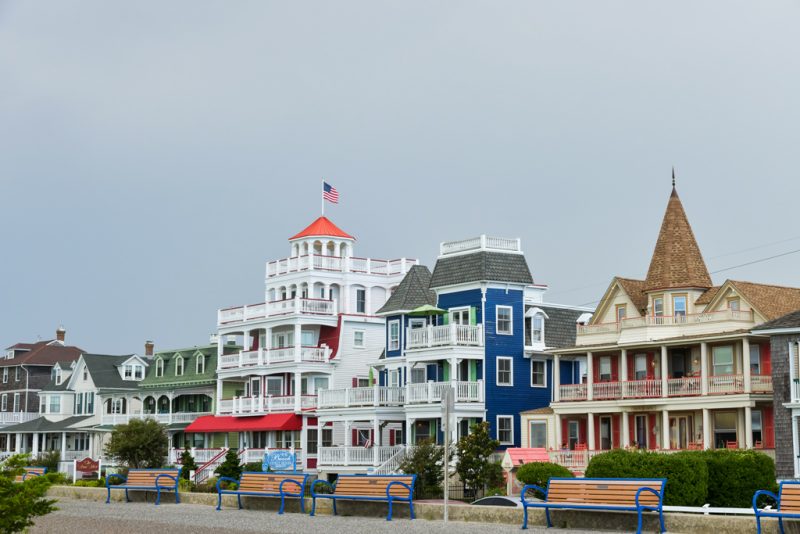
<point x="157" y="487"/>
<point x="773" y="513"/>
<point x="388" y="498"/>
<point x="26" y="474"/>
<point x="282" y="494"/>
<point x="638" y="508"/>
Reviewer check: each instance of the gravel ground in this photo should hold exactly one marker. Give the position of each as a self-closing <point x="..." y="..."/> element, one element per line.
<point x="84" y="517"/>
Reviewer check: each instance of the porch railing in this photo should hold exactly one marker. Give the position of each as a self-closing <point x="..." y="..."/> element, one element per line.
<point x="271" y="356"/>
<point x="725" y="384"/>
<point x="345" y="456"/>
<point x="641" y="388"/>
<point x="572" y="392"/>
<point x="268" y="404"/>
<point x="761" y="383"/>
<point x="444" y="335"/>
<point x="679" y="387"/>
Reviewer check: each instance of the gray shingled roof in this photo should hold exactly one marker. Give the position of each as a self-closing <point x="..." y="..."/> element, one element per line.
<point x="42" y="424"/>
<point x="103" y="369"/>
<point x="559" y="326"/>
<point x="412" y="292"/>
<point x="790" y="320"/>
<point x="481" y="266"/>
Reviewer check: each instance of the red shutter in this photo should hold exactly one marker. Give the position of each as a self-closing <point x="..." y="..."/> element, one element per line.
<point x="615" y="429"/>
<point x="582" y="433"/>
<point x="614" y="368"/>
<point x="355" y="382"/>
<point x="768" y="427"/>
<point x="766" y="359"/>
<point x="354" y="437"/>
<point x="254" y="344"/>
<point x="564" y="433"/>
<point x="651" y="368"/>
<point x="631" y="370"/>
<point x="596" y="431"/>
<point x="652" y="438"/>
<point x="596" y="370"/>
<point x="631" y="428"/>
<point x="391" y="438"/>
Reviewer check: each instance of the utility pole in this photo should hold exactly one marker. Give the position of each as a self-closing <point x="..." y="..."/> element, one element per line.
<point x="447" y="408"/>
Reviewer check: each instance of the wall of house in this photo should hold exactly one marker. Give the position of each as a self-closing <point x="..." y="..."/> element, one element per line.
<point x="781" y="383"/>
<point x="37" y="378"/>
<point x="355" y="361"/>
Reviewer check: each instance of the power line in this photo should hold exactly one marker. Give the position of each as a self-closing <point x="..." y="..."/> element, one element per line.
<point x="765" y="245"/>
<point x="756" y="261"/>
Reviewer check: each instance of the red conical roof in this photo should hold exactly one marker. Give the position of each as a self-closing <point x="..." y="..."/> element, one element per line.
<point x="322" y="227"/>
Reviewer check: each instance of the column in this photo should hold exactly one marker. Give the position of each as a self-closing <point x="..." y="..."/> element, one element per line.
<point x="35" y="443"/>
<point x="740" y="429"/>
<point x="376" y="438"/>
<point x="664" y="370"/>
<point x="63" y="445"/>
<point x="348" y="441"/>
<point x="18" y="444"/>
<point x="748" y="427"/>
<point x="409" y="427"/>
<point x="795" y="450"/>
<point x="453" y="371"/>
<point x="746" y="365"/>
<point x="625" y="434"/>
<point x="665" y="430"/>
<point x="90" y="443"/>
<point x="556" y="378"/>
<point x="267" y="344"/>
<point x="623" y="366"/>
<point x="8" y="442"/>
<point x="298" y="342"/>
<point x="589" y="375"/>
<point x="218" y="396"/>
<point x="706" y="428"/>
<point x="590" y="431"/>
<point x="298" y="386"/>
<point x="704" y="371"/>
<point x="557" y="431"/>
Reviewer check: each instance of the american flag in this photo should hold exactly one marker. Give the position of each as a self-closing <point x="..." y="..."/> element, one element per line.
<point x="330" y="193"/>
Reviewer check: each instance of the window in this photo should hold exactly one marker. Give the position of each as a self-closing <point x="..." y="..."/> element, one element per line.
<point x="722" y="358"/>
<point x="16" y="374"/>
<point x="327" y="437"/>
<point x="538" y="328"/>
<point x="78" y="404"/>
<point x="90" y="403"/>
<point x="679" y="306"/>
<point x="394" y="379"/>
<point x="394" y="335"/>
<point x="179" y="366"/>
<point x="55" y="403"/>
<point x="459" y="316"/>
<point x="605" y="433"/>
<point x="311" y="441"/>
<point x="724" y="428"/>
<point x="416" y="323"/>
<point x="573" y="434"/>
<point x="504" y="320"/>
<point x="417" y="375"/>
<point x="274" y="386"/>
<point x="621" y="311"/>
<point x="733" y="304"/>
<point x="118" y="406"/>
<point x="159" y="367"/>
<point x="200" y="365"/>
<point x="505" y="368"/>
<point x="755" y="359"/>
<point x="538" y="435"/>
<point x="658" y="307"/>
<point x="128" y="374"/>
<point x="5" y="375"/>
<point x="361" y="301"/>
<point x="362" y="437"/>
<point x="58" y="375"/>
<point x="640" y="431"/>
<point x="4" y="402"/>
<point x="538" y="373"/>
<point x="362" y="382"/>
<point x="640" y="367"/>
<point x="138" y="372"/>
<point x="358" y="338"/>
<point x="755" y="417"/>
<point x="605" y="368"/>
<point x="85" y="374"/>
<point x="505" y="429"/>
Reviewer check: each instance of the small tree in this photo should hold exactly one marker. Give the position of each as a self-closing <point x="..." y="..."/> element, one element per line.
<point x="474" y="457"/>
<point x="139" y="443"/>
<point x="425" y="461"/>
<point x="230" y="467"/>
<point x="187" y="463"/>
<point x="20" y="503"/>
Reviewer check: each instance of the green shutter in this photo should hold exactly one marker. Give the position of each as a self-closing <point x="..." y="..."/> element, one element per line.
<point x="473" y="315"/>
<point x="446" y="318"/>
<point x="446" y="371"/>
<point x="473" y="370"/>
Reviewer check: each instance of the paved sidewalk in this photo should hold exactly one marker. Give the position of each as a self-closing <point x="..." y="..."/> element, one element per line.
<point x="85" y="516"/>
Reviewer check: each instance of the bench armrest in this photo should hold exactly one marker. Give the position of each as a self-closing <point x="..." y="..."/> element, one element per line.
<point x="26" y="474"/>
<point x="759" y="493"/>
<point x="113" y="475"/>
<point x="229" y="479"/>
<point x="289" y="480"/>
<point x="173" y="478"/>
<point x="314" y="485"/>
<point x="658" y="494"/>
<point x="403" y="484"/>
<point x="531" y="487"/>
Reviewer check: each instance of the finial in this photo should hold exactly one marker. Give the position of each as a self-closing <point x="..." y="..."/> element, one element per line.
<point x="673" y="176"/>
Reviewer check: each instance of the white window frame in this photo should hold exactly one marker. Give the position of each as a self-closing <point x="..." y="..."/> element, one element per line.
<point x="17" y="403"/>
<point x="655" y="308"/>
<point x="685" y="300"/>
<point x="394" y="378"/>
<point x="530" y="432"/>
<point x="544" y="372"/>
<point x="732" y="364"/>
<point x="356" y="343"/>
<point x="359" y="301"/>
<point x="394" y="344"/>
<point x="5" y="375"/>
<point x="159" y="367"/>
<point x="417" y="370"/>
<point x="511" y="429"/>
<point x="534" y="330"/>
<point x="272" y="379"/>
<point x="138" y="372"/>
<point x="127" y="372"/>
<point x="497" y="330"/>
<point x="200" y="364"/>
<point x="415" y="323"/>
<point x="458" y="312"/>
<point x="605" y="360"/>
<point x="4" y="402"/>
<point x="641" y="357"/>
<point x="17" y="373"/>
<point x="497" y="371"/>
<point x="179" y="360"/>
<point x="755" y="350"/>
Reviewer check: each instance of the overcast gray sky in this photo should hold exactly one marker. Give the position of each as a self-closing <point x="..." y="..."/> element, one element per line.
<point x="153" y="155"/>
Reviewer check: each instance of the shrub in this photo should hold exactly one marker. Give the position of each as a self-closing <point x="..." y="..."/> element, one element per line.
<point x="540" y="473"/>
<point x="686" y="472"/>
<point x="49" y="460"/>
<point x="475" y="450"/>
<point x="187" y="464"/>
<point x="230" y="467"/>
<point x="139" y="443"/>
<point x="734" y="476"/>
<point x="425" y="461"/>
<point x="91" y="483"/>
<point x="57" y="479"/>
<point x="253" y="466"/>
<point x="20" y="503"/>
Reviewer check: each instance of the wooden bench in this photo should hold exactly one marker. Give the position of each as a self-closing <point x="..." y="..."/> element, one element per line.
<point x="614" y="494"/>
<point x="787" y="500"/>
<point x="387" y="488"/>
<point x="30" y="472"/>
<point x="266" y="485"/>
<point x="146" y="479"/>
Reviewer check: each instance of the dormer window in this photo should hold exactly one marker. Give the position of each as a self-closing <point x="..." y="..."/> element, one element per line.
<point x="128" y="373"/>
<point x="55" y="375"/>
<point x="658" y="307"/>
<point x="733" y="304"/>
<point x="621" y="312"/>
<point x="85" y="374"/>
<point x="159" y="368"/>
<point x="179" y="366"/>
<point x="534" y="327"/>
<point x="201" y="364"/>
<point x="394" y="335"/>
<point x="538" y="328"/>
<point x="10" y="354"/>
<point x="138" y="372"/>
<point x="679" y="306"/>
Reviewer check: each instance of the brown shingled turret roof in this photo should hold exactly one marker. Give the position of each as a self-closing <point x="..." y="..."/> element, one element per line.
<point x="677" y="261"/>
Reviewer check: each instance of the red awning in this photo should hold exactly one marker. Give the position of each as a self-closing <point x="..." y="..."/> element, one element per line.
<point x="229" y="423"/>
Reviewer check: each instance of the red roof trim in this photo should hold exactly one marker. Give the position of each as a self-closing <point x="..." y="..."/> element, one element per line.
<point x="322" y="227"/>
<point x="229" y="423"/>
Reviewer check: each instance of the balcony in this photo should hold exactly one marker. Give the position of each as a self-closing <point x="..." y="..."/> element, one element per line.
<point x="650" y="327"/>
<point x="318" y="262"/>
<point x="358" y="397"/>
<point x="432" y="392"/>
<point x="164" y="418"/>
<point x="347" y="456"/>
<point x="265" y="405"/>
<point x="277" y="308"/>
<point x="446" y="335"/>
<point x="483" y="242"/>
<point x="261" y="357"/>
<point x="13" y="418"/>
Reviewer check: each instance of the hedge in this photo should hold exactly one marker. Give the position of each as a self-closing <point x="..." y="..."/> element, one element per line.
<point x="724" y="478"/>
<point x="686" y="473"/>
<point x="539" y="473"/>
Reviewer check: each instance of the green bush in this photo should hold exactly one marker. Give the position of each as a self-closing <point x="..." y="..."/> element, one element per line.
<point x="57" y="479"/>
<point x="20" y="503"/>
<point x="187" y="464"/>
<point x="253" y="466"/>
<point x="47" y="459"/>
<point x="540" y="473"/>
<point x="735" y="475"/>
<point x="91" y="483"/>
<point x="425" y="461"/>
<point x="686" y="472"/>
<point x="231" y="467"/>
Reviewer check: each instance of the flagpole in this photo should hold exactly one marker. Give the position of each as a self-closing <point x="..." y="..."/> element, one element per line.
<point x="322" y="180"/>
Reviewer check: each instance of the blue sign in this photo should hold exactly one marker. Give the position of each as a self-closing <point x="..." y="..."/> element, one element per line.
<point x="279" y="461"/>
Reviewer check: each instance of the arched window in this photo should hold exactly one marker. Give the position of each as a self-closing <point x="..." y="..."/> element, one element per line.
<point x="179" y="366"/>
<point x="159" y="367"/>
<point x="201" y="364"/>
<point x="534" y="327"/>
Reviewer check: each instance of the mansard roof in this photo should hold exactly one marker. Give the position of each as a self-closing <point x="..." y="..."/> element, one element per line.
<point x="676" y="261"/>
<point x="412" y="292"/>
<point x="483" y="266"/>
<point x="190" y="376"/>
<point x="322" y="227"/>
<point x="559" y="326"/>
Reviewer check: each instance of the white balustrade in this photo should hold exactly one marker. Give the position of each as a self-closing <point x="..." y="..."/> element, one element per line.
<point x="428" y="392"/>
<point x="228" y="360"/>
<point x="17" y="417"/>
<point x="725" y="384"/>
<point x="606" y="390"/>
<point x="667" y="320"/>
<point x="761" y="383"/>
<point x="452" y="334"/>
<point x="572" y="392"/>
<point x="265" y="404"/>
<point x="342" y="456"/>
<point x="339" y="264"/>
<point x="641" y="389"/>
<point x="686" y="386"/>
<point x="367" y="396"/>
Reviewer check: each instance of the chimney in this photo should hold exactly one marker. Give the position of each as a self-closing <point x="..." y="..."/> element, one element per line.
<point x="61" y="334"/>
<point x="148" y="348"/>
